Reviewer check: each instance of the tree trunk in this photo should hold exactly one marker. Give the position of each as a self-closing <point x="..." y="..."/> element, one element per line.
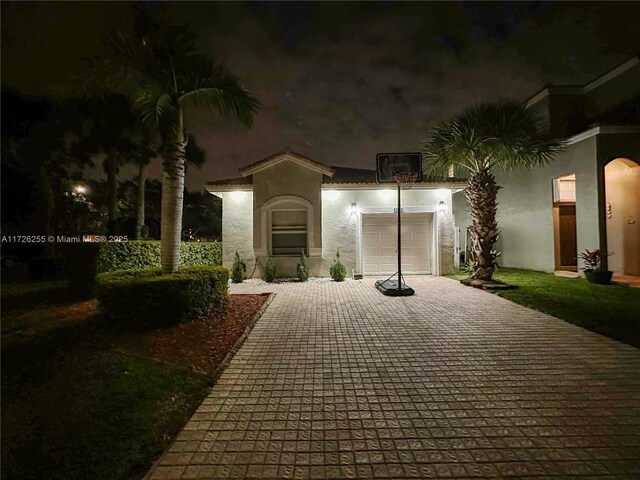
<point x="140" y="201"/>
<point x="481" y="194"/>
<point x="111" y="168"/>
<point x="172" y="200"/>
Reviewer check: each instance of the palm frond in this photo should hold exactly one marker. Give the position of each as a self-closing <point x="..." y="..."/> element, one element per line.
<point x="155" y="107"/>
<point x="194" y="155"/>
<point x="503" y="134"/>
<point x="236" y="103"/>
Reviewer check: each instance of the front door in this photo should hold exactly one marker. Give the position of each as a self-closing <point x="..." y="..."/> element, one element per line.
<point x="565" y="232"/>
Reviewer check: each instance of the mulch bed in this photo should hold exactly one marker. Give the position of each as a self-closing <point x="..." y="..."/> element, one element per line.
<point x="201" y="344"/>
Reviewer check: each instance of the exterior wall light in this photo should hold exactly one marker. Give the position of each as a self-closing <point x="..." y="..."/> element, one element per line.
<point x="331" y="194"/>
<point x="238" y="195"/>
<point x="442" y="206"/>
<point x="354" y="208"/>
<point x="80" y="188"/>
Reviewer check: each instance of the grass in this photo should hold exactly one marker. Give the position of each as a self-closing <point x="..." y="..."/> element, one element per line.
<point x="611" y="310"/>
<point x="71" y="412"/>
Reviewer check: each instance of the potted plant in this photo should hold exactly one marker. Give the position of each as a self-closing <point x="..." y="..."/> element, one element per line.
<point x="593" y="266"/>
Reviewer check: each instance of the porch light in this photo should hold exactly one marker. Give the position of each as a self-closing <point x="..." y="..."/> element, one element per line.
<point x="238" y="195"/>
<point x="354" y="208"/>
<point x="442" y="206"/>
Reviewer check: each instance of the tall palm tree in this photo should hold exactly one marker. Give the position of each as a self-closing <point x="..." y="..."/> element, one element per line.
<point x="494" y="135"/>
<point x="166" y="77"/>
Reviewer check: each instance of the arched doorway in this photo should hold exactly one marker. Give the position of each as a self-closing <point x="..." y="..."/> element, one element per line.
<point x="622" y="204"/>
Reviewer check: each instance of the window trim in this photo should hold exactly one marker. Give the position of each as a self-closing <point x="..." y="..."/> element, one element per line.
<point x="283" y="202"/>
<point x="296" y="229"/>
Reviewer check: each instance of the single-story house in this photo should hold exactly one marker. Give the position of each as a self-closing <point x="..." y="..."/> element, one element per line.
<point x="287" y="203"/>
<point x="589" y="196"/>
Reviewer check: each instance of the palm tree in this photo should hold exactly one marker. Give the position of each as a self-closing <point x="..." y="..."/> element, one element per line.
<point x="166" y="77"/>
<point x="495" y="135"/>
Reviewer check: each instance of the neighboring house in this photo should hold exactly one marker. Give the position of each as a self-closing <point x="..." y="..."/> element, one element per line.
<point x="287" y="203"/>
<point x="589" y="196"/>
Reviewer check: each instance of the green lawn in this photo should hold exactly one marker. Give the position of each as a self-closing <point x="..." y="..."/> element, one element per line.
<point x="611" y="310"/>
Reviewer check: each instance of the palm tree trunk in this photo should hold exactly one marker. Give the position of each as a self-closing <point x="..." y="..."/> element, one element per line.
<point x="111" y="169"/>
<point x="172" y="200"/>
<point x="140" y="202"/>
<point x="481" y="194"/>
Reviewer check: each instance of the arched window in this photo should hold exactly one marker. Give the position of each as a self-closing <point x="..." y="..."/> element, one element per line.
<point x="288" y="221"/>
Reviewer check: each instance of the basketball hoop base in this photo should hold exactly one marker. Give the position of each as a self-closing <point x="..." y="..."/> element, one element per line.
<point x="389" y="287"/>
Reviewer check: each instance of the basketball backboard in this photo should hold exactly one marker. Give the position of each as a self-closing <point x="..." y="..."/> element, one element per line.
<point x="389" y="164"/>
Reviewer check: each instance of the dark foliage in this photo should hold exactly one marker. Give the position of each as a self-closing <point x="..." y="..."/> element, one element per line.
<point x="143" y="299"/>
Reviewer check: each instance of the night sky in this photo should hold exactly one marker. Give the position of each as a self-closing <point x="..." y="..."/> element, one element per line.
<point x="339" y="82"/>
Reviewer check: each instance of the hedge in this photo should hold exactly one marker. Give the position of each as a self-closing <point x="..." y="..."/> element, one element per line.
<point x="146" y="254"/>
<point x="145" y="298"/>
<point x="86" y="260"/>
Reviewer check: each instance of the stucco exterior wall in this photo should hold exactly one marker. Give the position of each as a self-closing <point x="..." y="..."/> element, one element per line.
<point x="237" y="224"/>
<point x="525" y="208"/>
<point x="284" y="182"/>
<point x="290" y="179"/>
<point x="342" y="227"/>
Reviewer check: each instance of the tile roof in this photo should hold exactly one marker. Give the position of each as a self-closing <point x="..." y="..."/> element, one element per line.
<point x="342" y="176"/>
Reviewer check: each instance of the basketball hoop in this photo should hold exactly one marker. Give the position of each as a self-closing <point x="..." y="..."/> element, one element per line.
<point x="406" y="179"/>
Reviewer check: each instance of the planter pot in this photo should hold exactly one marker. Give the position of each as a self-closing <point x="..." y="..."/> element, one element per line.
<point x="602" y="277"/>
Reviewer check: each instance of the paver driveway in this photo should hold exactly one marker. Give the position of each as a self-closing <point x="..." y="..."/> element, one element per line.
<point x="339" y="381"/>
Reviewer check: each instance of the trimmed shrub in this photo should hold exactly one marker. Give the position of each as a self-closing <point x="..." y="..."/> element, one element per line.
<point x="84" y="261"/>
<point x="146" y="254"/>
<point x="137" y="255"/>
<point x="200" y="253"/>
<point x="39" y="268"/>
<point x="338" y="271"/>
<point x="238" y="270"/>
<point x="303" y="268"/>
<point x="143" y="299"/>
<point x="270" y="271"/>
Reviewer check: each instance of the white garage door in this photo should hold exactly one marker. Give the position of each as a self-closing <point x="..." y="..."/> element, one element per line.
<point x="379" y="237"/>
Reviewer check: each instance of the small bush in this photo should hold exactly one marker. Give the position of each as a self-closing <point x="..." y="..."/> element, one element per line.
<point x="270" y="271"/>
<point x="338" y="271"/>
<point x="239" y="269"/>
<point x="39" y="268"/>
<point x="303" y="268"/>
<point x="142" y="299"/>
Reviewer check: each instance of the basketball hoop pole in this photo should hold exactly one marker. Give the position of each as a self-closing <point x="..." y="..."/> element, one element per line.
<point x="399" y="243"/>
<point x="388" y="287"/>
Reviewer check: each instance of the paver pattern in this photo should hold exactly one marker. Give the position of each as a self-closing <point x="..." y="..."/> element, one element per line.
<point x="339" y="381"/>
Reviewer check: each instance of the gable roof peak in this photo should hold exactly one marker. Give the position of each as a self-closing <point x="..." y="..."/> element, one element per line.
<point x="286" y="154"/>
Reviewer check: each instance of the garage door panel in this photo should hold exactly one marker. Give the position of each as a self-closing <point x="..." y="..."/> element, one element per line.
<point x="388" y="237"/>
<point x="379" y="243"/>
